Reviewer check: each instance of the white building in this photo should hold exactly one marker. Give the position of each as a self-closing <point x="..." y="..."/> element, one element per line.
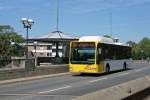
<point x="51" y="46"/>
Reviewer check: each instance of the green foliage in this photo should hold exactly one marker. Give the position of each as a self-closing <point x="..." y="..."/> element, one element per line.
<point x="131" y="43"/>
<point x="7" y="36"/>
<point x="140" y="50"/>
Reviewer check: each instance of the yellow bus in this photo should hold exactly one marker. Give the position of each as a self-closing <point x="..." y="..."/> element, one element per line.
<point x="95" y="54"/>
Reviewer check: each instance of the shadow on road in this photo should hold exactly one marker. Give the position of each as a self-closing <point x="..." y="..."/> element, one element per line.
<point x="98" y="75"/>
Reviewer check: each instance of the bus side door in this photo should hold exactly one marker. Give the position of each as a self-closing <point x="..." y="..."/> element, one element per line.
<point x="100" y="59"/>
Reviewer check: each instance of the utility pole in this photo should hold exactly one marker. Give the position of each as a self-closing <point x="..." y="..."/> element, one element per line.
<point x="57" y="23"/>
<point x="111" y="24"/>
<point x="57" y="27"/>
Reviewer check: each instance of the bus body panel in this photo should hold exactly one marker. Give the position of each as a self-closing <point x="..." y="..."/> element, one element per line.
<point x="81" y="68"/>
<point x="101" y="67"/>
<point x="117" y="64"/>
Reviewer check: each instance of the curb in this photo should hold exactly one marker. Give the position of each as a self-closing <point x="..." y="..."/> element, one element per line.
<point x="32" y="78"/>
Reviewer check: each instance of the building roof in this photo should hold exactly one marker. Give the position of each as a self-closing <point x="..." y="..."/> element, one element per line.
<point x="55" y="36"/>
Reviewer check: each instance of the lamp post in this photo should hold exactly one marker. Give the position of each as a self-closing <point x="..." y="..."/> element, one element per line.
<point x="27" y="23"/>
<point x="35" y="55"/>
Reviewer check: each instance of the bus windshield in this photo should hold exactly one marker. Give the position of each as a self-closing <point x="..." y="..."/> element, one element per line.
<point x="83" y="53"/>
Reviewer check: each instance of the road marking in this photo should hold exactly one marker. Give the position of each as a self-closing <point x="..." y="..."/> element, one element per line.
<point x="31" y="94"/>
<point x="98" y="79"/>
<point x="138" y="70"/>
<point x="24" y="98"/>
<point x="56" y="89"/>
<point x="145" y="68"/>
<point x="123" y="74"/>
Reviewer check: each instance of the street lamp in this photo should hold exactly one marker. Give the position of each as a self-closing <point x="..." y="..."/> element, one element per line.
<point x="27" y="23"/>
<point x="35" y="55"/>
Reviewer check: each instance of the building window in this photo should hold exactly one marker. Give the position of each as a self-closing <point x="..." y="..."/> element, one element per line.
<point x="41" y="54"/>
<point x="53" y="44"/>
<point x="49" y="47"/>
<point x="53" y="50"/>
<point x="60" y="50"/>
<point x="49" y="54"/>
<point x="60" y="44"/>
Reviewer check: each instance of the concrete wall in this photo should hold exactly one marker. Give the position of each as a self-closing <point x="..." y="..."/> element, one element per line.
<point x="21" y="62"/>
<point x="120" y="91"/>
<point x="21" y="73"/>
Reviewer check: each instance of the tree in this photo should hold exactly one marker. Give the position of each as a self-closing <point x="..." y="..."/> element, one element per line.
<point x="7" y="36"/>
<point x="16" y="49"/>
<point x="144" y="46"/>
<point x="131" y="43"/>
<point x="140" y="50"/>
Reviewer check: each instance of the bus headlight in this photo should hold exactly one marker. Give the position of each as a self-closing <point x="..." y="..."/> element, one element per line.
<point x="71" y="69"/>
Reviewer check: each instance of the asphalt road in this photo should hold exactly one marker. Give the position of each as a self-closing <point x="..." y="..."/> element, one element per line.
<point x="68" y="86"/>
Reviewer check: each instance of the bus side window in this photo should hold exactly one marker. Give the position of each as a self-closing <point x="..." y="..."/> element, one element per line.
<point x="99" y="51"/>
<point x="76" y="54"/>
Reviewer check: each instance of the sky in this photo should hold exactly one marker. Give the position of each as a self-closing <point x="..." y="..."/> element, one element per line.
<point x="130" y="18"/>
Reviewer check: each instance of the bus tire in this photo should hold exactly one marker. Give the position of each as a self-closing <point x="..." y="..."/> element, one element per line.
<point x="107" y="68"/>
<point x="124" y="66"/>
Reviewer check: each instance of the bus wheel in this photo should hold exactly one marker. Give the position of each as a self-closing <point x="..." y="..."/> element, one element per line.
<point x="124" y="66"/>
<point x="107" y="68"/>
